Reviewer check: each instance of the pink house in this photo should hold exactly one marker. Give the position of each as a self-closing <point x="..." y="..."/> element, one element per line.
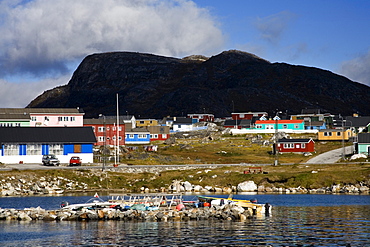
<point x="55" y="117"/>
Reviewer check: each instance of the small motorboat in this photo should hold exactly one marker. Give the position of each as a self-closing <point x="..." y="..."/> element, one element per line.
<point x="95" y="202"/>
<point x="251" y="205"/>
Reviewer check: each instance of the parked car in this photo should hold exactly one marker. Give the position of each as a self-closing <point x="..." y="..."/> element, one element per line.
<point x="50" y="160"/>
<point x="75" y="161"/>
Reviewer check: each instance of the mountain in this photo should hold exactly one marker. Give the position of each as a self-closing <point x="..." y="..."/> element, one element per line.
<point x="151" y="86"/>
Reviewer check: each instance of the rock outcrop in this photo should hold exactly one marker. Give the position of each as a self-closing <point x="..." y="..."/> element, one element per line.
<point x="155" y="86"/>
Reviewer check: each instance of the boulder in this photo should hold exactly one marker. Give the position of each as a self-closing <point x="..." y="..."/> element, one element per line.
<point x="247" y="186"/>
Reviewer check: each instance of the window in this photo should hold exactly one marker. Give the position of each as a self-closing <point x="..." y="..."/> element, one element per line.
<point x="258" y="126"/>
<point x="327" y="133"/>
<point x="56" y="149"/>
<point x="142" y="136"/>
<point x="73" y="119"/>
<point x="33" y="119"/>
<point x="34" y="149"/>
<point x="101" y="129"/>
<point x="339" y="133"/>
<point x="141" y="122"/>
<point x="100" y="138"/>
<point x="164" y="135"/>
<point x="288" y="145"/>
<point x="46" y="118"/>
<point x="303" y="145"/>
<point x="120" y="138"/>
<point x="154" y="136"/>
<point x="11" y="149"/>
<point x="132" y="136"/>
<point x="296" y="126"/>
<point x="60" y="119"/>
<point x="269" y="126"/>
<point x="65" y="118"/>
<point x="285" y="126"/>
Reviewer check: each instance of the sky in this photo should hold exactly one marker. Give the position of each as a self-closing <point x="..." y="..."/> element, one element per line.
<point x="42" y="42"/>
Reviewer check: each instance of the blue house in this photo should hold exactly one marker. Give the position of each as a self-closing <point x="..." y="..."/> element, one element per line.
<point x="29" y="144"/>
<point x="137" y="136"/>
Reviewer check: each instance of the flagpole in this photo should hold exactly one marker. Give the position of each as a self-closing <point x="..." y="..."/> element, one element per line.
<point x="117" y="151"/>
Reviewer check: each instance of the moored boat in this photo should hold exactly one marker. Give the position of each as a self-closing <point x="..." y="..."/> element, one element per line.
<point x="251" y="205"/>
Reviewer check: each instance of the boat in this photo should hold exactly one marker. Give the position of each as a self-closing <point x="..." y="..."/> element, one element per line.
<point x="250" y="205"/>
<point x="95" y="202"/>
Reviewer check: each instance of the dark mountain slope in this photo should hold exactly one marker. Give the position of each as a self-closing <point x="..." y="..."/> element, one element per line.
<point x="153" y="86"/>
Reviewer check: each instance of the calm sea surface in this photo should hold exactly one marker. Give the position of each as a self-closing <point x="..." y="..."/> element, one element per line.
<point x="296" y="220"/>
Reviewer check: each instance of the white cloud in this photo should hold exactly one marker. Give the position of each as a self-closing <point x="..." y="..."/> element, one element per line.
<point x="357" y="69"/>
<point x="41" y="38"/>
<point x="21" y="94"/>
<point x="272" y="27"/>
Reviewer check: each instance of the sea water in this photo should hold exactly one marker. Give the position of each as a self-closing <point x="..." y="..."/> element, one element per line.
<point x="296" y="220"/>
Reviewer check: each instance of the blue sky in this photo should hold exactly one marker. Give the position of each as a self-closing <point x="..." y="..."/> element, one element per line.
<point x="43" y="42"/>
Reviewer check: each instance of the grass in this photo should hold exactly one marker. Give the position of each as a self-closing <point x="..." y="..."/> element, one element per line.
<point x="285" y="176"/>
<point x="225" y="150"/>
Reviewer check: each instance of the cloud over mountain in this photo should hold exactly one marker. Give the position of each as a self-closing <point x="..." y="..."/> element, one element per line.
<point x="46" y="38"/>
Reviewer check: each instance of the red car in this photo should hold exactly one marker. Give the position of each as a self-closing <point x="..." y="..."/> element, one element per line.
<point x="75" y="161"/>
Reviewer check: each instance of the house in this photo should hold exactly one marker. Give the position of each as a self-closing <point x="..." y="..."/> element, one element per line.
<point x="105" y="130"/>
<point x="334" y="135"/>
<point x="314" y="119"/>
<point x="146" y="122"/>
<point x="281" y="125"/>
<point x="182" y="124"/>
<point x="296" y="145"/>
<point x="247" y="115"/>
<point x="363" y="144"/>
<point x="359" y="123"/>
<point x="238" y="124"/>
<point x="42" y="117"/>
<point x="29" y="144"/>
<point x="14" y="120"/>
<point x="205" y="117"/>
<point x="137" y="136"/>
<point x="159" y="133"/>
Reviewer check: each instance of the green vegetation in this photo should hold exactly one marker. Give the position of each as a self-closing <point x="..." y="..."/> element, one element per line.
<point x="221" y="150"/>
<point x="285" y="176"/>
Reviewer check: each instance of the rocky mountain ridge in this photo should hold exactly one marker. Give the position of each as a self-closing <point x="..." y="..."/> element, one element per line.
<point x="151" y="86"/>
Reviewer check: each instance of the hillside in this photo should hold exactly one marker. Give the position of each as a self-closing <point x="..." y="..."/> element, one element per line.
<point x="151" y="86"/>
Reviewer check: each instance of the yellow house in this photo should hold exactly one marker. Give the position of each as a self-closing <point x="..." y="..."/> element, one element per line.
<point x="146" y="122"/>
<point x="334" y="135"/>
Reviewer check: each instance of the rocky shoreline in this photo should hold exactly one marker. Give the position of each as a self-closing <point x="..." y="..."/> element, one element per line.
<point x="13" y="186"/>
<point x="225" y="212"/>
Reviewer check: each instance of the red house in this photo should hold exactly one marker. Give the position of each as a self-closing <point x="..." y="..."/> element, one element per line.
<point x="202" y="117"/>
<point x="296" y="145"/>
<point x="159" y="133"/>
<point x="247" y="115"/>
<point x="105" y="131"/>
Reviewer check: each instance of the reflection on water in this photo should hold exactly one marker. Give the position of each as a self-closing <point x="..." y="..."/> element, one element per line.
<point x="288" y="226"/>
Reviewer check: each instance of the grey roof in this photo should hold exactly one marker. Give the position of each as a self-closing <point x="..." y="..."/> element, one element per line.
<point x="239" y="122"/>
<point x="136" y="130"/>
<point x="364" y="138"/>
<point x="183" y="120"/>
<point x="295" y="140"/>
<point x="17" y="117"/>
<point x="41" y="110"/>
<point x="47" y="135"/>
<point x="357" y="121"/>
<point x="101" y="121"/>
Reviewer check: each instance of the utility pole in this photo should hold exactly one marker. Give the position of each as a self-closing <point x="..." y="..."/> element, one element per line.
<point x="276" y="118"/>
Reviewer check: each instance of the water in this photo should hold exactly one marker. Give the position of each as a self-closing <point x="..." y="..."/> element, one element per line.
<point x="297" y="220"/>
